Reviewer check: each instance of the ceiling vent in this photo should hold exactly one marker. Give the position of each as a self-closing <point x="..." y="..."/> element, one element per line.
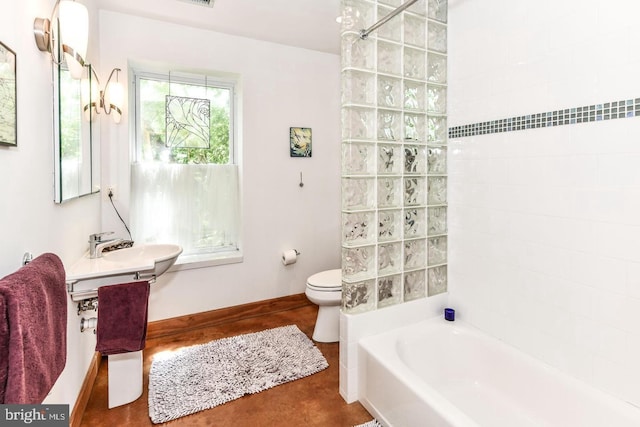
<point x="206" y="3"/>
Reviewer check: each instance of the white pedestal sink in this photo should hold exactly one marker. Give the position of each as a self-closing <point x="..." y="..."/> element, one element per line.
<point x="124" y="378"/>
<point x="124" y="265"/>
<point x="143" y="262"/>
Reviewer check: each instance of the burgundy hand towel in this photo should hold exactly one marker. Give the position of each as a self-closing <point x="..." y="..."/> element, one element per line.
<point x="33" y="330"/>
<point x="122" y="317"/>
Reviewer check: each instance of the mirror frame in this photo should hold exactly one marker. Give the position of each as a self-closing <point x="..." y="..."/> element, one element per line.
<point x="9" y="108"/>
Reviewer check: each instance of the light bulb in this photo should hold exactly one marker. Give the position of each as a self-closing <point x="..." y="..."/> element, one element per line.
<point x="115" y="95"/>
<point x="74" y="34"/>
<point x="89" y="95"/>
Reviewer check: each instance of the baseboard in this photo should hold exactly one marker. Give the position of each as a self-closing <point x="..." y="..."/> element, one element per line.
<point x="85" y="391"/>
<point x="174" y="325"/>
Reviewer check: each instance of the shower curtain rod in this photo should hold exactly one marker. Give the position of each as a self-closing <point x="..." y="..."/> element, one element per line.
<point x="365" y="33"/>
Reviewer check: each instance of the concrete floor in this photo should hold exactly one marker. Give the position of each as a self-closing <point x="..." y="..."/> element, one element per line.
<point x="310" y="401"/>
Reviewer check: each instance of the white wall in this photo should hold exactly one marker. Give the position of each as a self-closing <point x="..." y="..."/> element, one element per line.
<point x="29" y="219"/>
<point x="280" y="87"/>
<point x="545" y="223"/>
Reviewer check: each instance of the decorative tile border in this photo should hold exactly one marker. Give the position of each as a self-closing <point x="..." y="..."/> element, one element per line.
<point x="591" y="113"/>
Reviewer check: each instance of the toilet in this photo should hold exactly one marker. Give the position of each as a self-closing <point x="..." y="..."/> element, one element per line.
<point x="325" y="290"/>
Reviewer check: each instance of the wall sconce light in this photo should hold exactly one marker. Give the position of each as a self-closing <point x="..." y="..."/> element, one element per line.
<point x="110" y="99"/>
<point x="73" y="29"/>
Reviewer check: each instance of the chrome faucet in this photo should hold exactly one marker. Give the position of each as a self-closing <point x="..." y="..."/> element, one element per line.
<point x="96" y="244"/>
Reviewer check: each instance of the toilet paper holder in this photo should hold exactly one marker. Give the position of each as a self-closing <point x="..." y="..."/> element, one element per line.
<point x="290" y="256"/>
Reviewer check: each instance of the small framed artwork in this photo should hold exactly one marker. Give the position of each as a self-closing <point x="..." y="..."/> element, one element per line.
<point x="8" y="96"/>
<point x="300" y="142"/>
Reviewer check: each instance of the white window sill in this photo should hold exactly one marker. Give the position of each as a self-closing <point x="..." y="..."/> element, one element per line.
<point x="207" y="260"/>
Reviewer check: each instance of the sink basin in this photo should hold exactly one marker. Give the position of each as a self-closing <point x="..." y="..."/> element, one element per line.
<point x="162" y="255"/>
<point x="120" y="266"/>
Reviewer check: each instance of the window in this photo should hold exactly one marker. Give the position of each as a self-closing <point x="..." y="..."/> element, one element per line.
<point x="184" y="178"/>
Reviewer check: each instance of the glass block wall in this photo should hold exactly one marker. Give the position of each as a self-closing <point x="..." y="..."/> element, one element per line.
<point x="394" y="154"/>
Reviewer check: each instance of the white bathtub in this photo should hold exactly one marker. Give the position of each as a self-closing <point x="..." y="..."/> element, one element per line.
<point x="438" y="373"/>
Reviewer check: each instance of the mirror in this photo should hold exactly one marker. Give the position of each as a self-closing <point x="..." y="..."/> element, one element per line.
<point x="76" y="149"/>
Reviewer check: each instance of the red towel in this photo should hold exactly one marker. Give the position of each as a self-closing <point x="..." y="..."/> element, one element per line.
<point x="33" y="330"/>
<point x="122" y="317"/>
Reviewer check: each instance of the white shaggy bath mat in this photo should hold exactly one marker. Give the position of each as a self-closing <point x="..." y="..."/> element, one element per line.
<point x="373" y="423"/>
<point x="200" y="377"/>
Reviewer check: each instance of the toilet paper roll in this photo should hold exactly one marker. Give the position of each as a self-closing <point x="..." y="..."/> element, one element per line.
<point x="289" y="257"/>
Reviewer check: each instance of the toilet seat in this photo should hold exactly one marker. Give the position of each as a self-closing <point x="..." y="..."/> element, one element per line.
<point x="319" y="289"/>
<point x="326" y="281"/>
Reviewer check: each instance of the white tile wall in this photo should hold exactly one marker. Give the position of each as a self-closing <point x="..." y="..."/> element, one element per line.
<point x="544" y="224"/>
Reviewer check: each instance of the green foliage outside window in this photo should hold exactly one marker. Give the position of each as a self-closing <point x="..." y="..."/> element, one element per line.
<point x="153" y="122"/>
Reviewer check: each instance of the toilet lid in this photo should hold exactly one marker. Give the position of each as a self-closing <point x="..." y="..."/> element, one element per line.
<point x="330" y="279"/>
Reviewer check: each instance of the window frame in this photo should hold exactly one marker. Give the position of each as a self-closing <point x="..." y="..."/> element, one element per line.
<point x="209" y="79"/>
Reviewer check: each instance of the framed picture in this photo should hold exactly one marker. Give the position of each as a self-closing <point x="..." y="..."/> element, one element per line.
<point x="300" y="142"/>
<point x="8" y="96"/>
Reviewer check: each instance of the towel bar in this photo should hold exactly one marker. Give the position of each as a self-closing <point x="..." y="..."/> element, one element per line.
<point x="84" y="294"/>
